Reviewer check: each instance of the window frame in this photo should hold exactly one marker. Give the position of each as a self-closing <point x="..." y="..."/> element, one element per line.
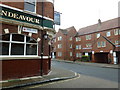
<point x="35" y="5"/>
<point x="59" y="38"/>
<point x="98" y="44"/>
<point x="103" y="43"/>
<point x="108" y="34"/>
<point x="59" y="54"/>
<point x="88" y="37"/>
<point x="116" y="42"/>
<point x="10" y="42"/>
<point x="98" y="35"/>
<point x="59" y="45"/>
<point x="116" y="32"/>
<point x="71" y="54"/>
<point x="71" y="46"/>
<point x="70" y="38"/>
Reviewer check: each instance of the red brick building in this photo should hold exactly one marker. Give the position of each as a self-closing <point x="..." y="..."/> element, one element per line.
<point x="25" y="51"/>
<point x="64" y="44"/>
<point x="101" y="42"/>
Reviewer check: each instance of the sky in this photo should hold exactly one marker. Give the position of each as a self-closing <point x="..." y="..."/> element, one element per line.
<point x="82" y="13"/>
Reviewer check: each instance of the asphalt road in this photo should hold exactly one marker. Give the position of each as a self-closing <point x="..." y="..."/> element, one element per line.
<point x="90" y="77"/>
<point x="98" y="72"/>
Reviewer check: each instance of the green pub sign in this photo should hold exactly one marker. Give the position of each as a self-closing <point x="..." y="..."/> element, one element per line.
<point x="24" y="17"/>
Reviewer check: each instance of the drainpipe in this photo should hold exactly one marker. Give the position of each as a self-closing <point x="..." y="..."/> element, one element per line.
<point x="42" y="41"/>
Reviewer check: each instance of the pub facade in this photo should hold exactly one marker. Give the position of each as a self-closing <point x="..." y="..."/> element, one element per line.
<point x="26" y="28"/>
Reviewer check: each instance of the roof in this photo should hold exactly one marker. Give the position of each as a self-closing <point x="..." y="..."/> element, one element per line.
<point x="65" y="31"/>
<point x="113" y="23"/>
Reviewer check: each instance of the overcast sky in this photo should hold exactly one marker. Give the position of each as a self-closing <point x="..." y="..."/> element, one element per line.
<point x="82" y="13"/>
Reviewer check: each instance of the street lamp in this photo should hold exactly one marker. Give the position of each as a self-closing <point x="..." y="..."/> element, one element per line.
<point x="45" y="36"/>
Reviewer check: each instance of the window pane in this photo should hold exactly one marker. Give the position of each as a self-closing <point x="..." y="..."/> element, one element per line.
<point x="30" y="40"/>
<point x="17" y="49"/>
<point x="16" y="37"/>
<point x="4" y="48"/>
<point x="5" y="37"/>
<point x="31" y="49"/>
<point x="29" y="7"/>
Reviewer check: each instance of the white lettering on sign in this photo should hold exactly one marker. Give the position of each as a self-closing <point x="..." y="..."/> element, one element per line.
<point x="30" y="30"/>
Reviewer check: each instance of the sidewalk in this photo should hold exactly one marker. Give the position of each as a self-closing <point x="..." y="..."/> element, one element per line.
<point x="103" y="65"/>
<point x="55" y="75"/>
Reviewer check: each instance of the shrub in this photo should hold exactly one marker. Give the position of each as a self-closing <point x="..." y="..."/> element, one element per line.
<point x="85" y="58"/>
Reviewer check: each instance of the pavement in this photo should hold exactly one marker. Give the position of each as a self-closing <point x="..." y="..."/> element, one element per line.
<point x="102" y="65"/>
<point x="56" y="74"/>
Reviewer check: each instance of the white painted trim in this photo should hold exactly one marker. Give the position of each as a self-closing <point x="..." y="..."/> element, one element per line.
<point x="24" y="11"/>
<point x="22" y="57"/>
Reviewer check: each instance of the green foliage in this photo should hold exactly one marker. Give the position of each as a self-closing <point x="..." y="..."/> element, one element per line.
<point x="85" y="58"/>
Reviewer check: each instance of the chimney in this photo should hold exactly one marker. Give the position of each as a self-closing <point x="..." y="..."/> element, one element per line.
<point x="99" y="22"/>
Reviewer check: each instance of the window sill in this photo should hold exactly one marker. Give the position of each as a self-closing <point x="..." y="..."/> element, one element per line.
<point x="18" y="57"/>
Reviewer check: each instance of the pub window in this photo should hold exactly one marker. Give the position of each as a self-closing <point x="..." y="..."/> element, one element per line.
<point x="16" y="44"/>
<point x="30" y="5"/>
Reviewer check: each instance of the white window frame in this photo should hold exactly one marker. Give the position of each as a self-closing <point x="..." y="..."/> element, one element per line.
<point x="70" y="38"/>
<point x="59" y="54"/>
<point x="70" y="45"/>
<point x="59" y="38"/>
<point x="98" y="35"/>
<point x="116" y="31"/>
<point x="71" y="54"/>
<point x="98" y="44"/>
<point x="18" y="42"/>
<point x="77" y="39"/>
<point x="79" y="46"/>
<point x="103" y="43"/>
<point x="108" y="34"/>
<point x="88" y="37"/>
<point x="29" y="2"/>
<point x="77" y="55"/>
<point x="59" y="45"/>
